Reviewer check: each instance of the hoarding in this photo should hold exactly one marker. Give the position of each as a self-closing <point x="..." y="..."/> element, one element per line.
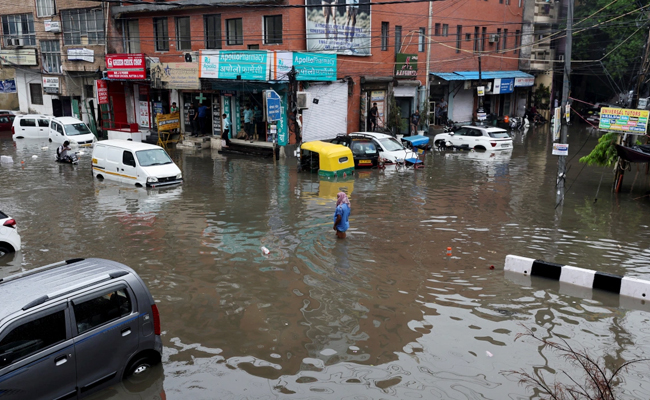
<point x="524" y="82"/>
<point x="624" y="120"/>
<point x="503" y="86"/>
<point x="251" y="65"/>
<point x="126" y="66"/>
<point x="102" y="91"/>
<point x="315" y="67"/>
<point x="175" y="75"/>
<point x="339" y="26"/>
<point x="406" y="65"/>
<point x="82" y="54"/>
<point x="18" y="57"/>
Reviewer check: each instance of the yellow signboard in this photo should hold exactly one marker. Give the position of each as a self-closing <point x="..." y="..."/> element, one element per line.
<point x="624" y="120"/>
<point x="168" y="122"/>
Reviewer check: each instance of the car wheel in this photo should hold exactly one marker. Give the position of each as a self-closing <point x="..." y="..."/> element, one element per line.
<point x="440" y="143"/>
<point x="5" y="249"/>
<point x="479" y="148"/>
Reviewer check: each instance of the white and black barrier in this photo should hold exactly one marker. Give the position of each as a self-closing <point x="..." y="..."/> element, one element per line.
<point x="625" y="286"/>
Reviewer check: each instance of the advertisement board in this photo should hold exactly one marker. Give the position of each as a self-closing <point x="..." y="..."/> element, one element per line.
<point x="406" y="65"/>
<point x="503" y="86"/>
<point x="18" y="57"/>
<point x="339" y="26"/>
<point x="560" y="149"/>
<point x="315" y="67"/>
<point x="82" y="54"/>
<point x="524" y="82"/>
<point x="168" y="122"/>
<point x="126" y="66"/>
<point x="175" y="75"/>
<point x="50" y="84"/>
<point x="102" y="91"/>
<point x="8" y="86"/>
<point x="251" y="65"/>
<point x="624" y="120"/>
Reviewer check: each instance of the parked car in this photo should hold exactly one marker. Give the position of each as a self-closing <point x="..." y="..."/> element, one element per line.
<point x="73" y="327"/>
<point x="30" y="126"/>
<point x="475" y="137"/>
<point x="10" y="112"/>
<point x="9" y="236"/>
<point x="364" y="150"/>
<point x="135" y="163"/>
<point x="71" y="129"/>
<point x="6" y="121"/>
<point x="389" y="148"/>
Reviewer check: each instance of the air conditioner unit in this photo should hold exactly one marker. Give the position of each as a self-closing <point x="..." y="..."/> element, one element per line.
<point x="494" y="38"/>
<point x="303" y="99"/>
<point x="192" y="56"/>
<point x="14" y="42"/>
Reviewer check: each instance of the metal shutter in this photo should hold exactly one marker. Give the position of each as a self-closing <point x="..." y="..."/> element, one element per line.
<point x="329" y="117"/>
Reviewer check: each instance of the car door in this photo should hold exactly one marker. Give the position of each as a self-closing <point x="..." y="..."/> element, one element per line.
<point x="105" y="323"/>
<point x="4" y="124"/>
<point x="474" y="137"/>
<point x="128" y="167"/>
<point x="43" y="127"/>
<point x="458" y="138"/>
<point x="56" y="132"/>
<point x="27" y="127"/>
<point x="37" y="357"/>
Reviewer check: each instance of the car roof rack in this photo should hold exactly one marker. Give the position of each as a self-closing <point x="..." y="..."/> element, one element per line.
<point x="40" y="269"/>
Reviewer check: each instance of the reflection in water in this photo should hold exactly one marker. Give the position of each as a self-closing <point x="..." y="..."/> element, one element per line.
<point x="384" y="313"/>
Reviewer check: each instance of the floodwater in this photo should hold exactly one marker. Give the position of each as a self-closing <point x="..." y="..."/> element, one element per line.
<point x="384" y="313"/>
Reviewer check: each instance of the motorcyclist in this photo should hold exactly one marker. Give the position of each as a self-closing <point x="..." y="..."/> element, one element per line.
<point x="62" y="152"/>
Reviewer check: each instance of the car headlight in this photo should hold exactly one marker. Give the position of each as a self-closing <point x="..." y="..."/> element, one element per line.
<point x="152" y="179"/>
<point x="179" y="176"/>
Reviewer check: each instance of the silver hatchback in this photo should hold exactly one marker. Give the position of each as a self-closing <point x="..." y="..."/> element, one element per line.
<point x="73" y="327"/>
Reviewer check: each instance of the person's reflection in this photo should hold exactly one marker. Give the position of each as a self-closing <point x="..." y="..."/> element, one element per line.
<point x="342" y="262"/>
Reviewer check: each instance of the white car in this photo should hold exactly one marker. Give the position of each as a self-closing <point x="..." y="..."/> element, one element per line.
<point x="475" y="137"/>
<point x="30" y="126"/>
<point x="389" y="148"/>
<point x="9" y="237"/>
<point x="71" y="129"/>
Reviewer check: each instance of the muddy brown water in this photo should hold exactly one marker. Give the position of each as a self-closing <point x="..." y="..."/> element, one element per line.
<point x="384" y="313"/>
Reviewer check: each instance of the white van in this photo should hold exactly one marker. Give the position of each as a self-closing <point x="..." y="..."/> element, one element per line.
<point x="139" y="164"/>
<point x="30" y="126"/>
<point x="71" y="129"/>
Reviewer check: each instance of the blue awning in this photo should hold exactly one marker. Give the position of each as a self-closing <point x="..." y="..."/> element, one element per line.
<point x="473" y="75"/>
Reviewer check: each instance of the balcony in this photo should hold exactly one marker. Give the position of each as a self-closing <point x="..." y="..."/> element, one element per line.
<point x="546" y="12"/>
<point x="541" y="59"/>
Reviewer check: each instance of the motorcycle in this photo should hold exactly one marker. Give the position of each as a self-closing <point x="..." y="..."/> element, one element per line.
<point x="72" y="158"/>
<point x="519" y="123"/>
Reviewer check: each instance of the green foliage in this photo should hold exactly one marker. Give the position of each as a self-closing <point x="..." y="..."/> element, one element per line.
<point x="604" y="154"/>
<point x="542" y="97"/>
<point x="425" y="114"/>
<point x="394" y="116"/>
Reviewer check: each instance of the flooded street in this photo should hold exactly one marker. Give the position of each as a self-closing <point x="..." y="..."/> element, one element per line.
<point x="384" y="313"/>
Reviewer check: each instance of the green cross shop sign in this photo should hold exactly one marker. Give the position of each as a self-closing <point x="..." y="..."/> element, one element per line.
<point x="200" y="98"/>
<point x="406" y="65"/>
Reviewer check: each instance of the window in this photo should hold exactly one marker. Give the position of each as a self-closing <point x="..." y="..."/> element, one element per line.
<point x="459" y="37"/>
<point x="18" y="30"/>
<point x="36" y="93"/>
<point x="505" y="40"/>
<point x="57" y="127"/>
<point x="483" y="38"/>
<point x="183" y="34"/>
<point x="253" y="47"/>
<point x="102" y="309"/>
<point x="83" y="27"/>
<point x="500" y="1"/>
<point x="436" y="31"/>
<point x="44" y="8"/>
<point x="421" y="40"/>
<point x="31" y="337"/>
<point x="51" y="52"/>
<point x="234" y="32"/>
<point x="133" y="35"/>
<point x="161" y="34"/>
<point x="273" y="29"/>
<point x="27" y="122"/>
<point x="43" y="123"/>
<point x="468" y="37"/>
<point x="477" y="48"/>
<point x="89" y="92"/>
<point x="445" y="30"/>
<point x="517" y="41"/>
<point x="384" y="36"/>
<point x="507" y="2"/>
<point x="498" y="40"/>
<point x="398" y="38"/>
<point x="128" y="159"/>
<point x="212" y="28"/>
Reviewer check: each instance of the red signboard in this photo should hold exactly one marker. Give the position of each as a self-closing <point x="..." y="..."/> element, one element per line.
<point x="126" y="66"/>
<point x="102" y="92"/>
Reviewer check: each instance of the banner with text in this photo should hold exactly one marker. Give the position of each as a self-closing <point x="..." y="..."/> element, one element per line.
<point x="175" y="75"/>
<point x="624" y="120"/>
<point x="251" y="65"/>
<point x="337" y="26"/>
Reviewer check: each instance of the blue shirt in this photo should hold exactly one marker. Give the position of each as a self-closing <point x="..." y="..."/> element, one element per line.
<point x="202" y="111"/>
<point x="344" y="211"/>
<point x="248" y="116"/>
<point x="227" y="123"/>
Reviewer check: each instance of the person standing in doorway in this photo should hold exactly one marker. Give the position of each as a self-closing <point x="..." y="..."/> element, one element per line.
<point x="203" y="115"/>
<point x="443" y="111"/>
<point x="341" y="215"/>
<point x="226" y="129"/>
<point x="415" y="121"/>
<point x="248" y="122"/>
<point x="174" y="108"/>
<point x="372" y="117"/>
<point x="194" y="118"/>
<point x="260" y="132"/>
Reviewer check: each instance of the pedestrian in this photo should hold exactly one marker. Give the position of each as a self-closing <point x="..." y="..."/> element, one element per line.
<point x="173" y="108"/>
<point x="194" y="117"/>
<point x="226" y="129"/>
<point x="372" y="117"/>
<point x="443" y="111"/>
<point x="415" y="121"/>
<point x="341" y="215"/>
<point x="248" y="122"/>
<point x="260" y="131"/>
<point x="203" y="115"/>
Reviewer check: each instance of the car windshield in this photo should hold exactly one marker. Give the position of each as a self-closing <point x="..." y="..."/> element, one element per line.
<point x="359" y="147"/>
<point x="499" y="134"/>
<point x="391" y="144"/>
<point x="147" y="158"/>
<point x="76" y="129"/>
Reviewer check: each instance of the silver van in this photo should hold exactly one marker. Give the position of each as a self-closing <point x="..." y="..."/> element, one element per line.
<point x="73" y="327"/>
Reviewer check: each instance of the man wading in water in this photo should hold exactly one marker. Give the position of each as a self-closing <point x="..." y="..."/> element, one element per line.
<point x="341" y="215"/>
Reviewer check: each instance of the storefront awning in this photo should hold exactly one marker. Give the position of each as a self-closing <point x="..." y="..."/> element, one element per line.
<point x="405" y="91"/>
<point x="473" y="75"/>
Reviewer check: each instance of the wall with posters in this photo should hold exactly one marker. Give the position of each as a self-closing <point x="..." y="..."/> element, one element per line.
<point x="331" y="29"/>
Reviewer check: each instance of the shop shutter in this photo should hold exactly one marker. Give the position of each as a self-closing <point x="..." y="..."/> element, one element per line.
<point x="329" y="117"/>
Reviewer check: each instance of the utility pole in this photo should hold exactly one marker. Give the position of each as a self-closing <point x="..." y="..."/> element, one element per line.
<point x="561" y="165"/>
<point x="480" y="111"/>
<point x="642" y="75"/>
<point x="427" y="78"/>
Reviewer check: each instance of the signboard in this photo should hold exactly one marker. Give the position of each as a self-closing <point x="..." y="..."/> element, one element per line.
<point x="168" y="122"/>
<point x="175" y="76"/>
<point x="340" y="30"/>
<point x="481" y="116"/>
<point x="643" y="103"/>
<point x="503" y="85"/>
<point x="50" y="84"/>
<point x="52" y="26"/>
<point x="102" y="91"/>
<point x="524" y="82"/>
<point x="87" y="55"/>
<point x="560" y="149"/>
<point x="624" y="120"/>
<point x="248" y="65"/>
<point x="480" y="91"/>
<point x="273" y="104"/>
<point x="18" y="57"/>
<point x="126" y="66"/>
<point x="406" y="65"/>
<point x="557" y="123"/>
<point x="567" y="112"/>
<point x="315" y="67"/>
<point x="283" y="132"/>
<point x="216" y="114"/>
<point x="8" y="86"/>
<point x="143" y="113"/>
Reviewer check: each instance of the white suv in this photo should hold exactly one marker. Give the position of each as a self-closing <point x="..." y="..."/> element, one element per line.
<point x="390" y="149"/>
<point x="475" y="137"/>
<point x="9" y="237"/>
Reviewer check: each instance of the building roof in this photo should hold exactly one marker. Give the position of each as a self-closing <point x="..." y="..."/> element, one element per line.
<point x="119" y="11"/>
<point x="473" y="75"/>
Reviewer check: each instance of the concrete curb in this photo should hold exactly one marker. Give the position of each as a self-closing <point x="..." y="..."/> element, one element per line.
<point x="625" y="286"/>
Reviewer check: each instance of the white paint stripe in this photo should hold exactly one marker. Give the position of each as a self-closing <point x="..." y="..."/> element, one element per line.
<point x="518" y="264"/>
<point x="577" y="276"/>
<point x="636" y="288"/>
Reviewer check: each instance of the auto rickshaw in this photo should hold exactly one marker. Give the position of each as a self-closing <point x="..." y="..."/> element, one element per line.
<point x="330" y="160"/>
